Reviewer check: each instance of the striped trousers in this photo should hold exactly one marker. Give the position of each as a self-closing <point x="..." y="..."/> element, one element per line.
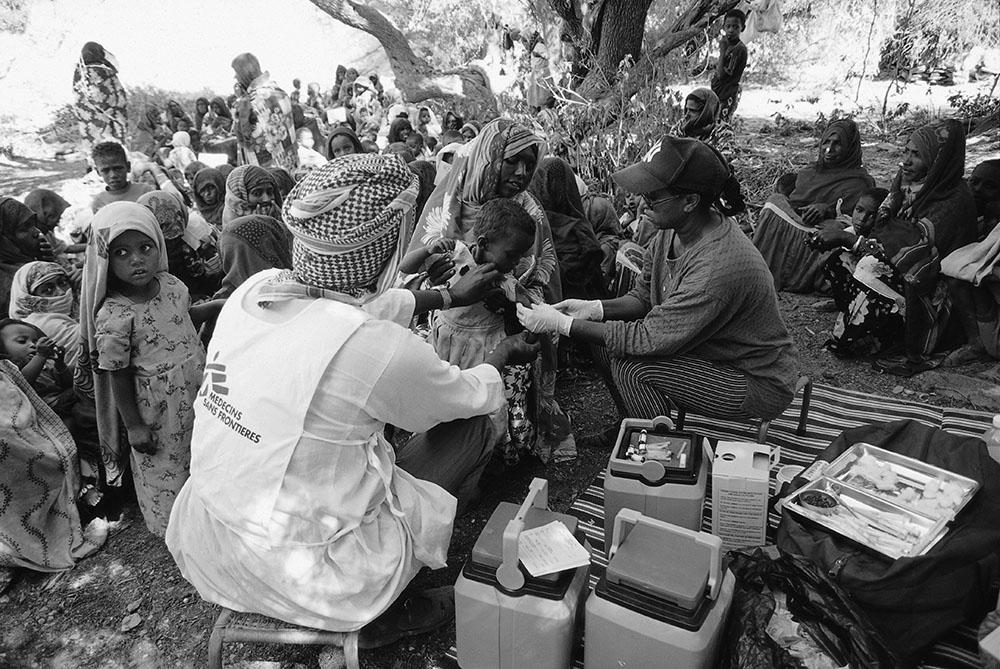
<point x="650" y="387"/>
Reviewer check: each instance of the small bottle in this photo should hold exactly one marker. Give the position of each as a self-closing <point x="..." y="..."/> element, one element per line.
<point x="992" y="438"/>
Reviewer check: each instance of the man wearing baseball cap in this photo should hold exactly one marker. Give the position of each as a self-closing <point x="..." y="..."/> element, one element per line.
<point x="700" y="330"/>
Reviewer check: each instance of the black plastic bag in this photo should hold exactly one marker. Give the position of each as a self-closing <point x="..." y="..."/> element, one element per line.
<point x="820" y="606"/>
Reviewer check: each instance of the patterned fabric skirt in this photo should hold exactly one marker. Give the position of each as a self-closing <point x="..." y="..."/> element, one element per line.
<point x="868" y="322"/>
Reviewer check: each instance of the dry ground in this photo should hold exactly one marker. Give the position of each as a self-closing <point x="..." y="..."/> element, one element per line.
<point x="75" y="619"/>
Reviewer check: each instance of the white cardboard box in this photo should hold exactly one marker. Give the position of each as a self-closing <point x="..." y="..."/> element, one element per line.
<point x="740" y="488"/>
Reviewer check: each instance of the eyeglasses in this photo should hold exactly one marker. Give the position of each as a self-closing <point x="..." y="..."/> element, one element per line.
<point x="660" y="200"/>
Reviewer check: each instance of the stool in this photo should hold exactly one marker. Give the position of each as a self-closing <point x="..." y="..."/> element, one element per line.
<point x="804" y="384"/>
<point x="256" y="628"/>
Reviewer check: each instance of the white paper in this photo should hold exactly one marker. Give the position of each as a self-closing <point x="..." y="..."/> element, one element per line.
<point x="549" y="549"/>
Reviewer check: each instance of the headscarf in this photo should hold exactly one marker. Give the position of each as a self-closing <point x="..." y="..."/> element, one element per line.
<point x="225" y="169"/>
<point x="249" y="245"/>
<point x="109" y="222"/>
<point x="199" y="117"/>
<point x="192" y="170"/>
<point x="577" y="246"/>
<point x="400" y="149"/>
<point x="93" y="54"/>
<point x="239" y="183"/>
<point x="212" y="214"/>
<point x="449" y="117"/>
<point x="702" y="126"/>
<point x="397" y="126"/>
<point x="427" y="174"/>
<point x="219" y="106"/>
<point x="348" y="219"/>
<point x="469" y="126"/>
<point x="343" y="131"/>
<point x="284" y="181"/>
<point x="177" y="113"/>
<point x="181" y="138"/>
<point x="941" y="146"/>
<point x="169" y="210"/>
<point x="844" y="180"/>
<point x="847" y="131"/>
<point x="45" y="202"/>
<point x="13" y="214"/>
<point x="27" y="279"/>
<point x="247" y="68"/>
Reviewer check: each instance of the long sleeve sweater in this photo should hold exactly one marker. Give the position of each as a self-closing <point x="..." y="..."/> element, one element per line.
<point x="716" y="302"/>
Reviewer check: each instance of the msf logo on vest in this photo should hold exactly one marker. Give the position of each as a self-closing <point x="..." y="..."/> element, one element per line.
<point x="214" y="398"/>
<point x="214" y="378"/>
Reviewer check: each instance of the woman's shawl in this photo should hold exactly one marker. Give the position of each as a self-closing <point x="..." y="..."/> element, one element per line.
<point x="452" y="208"/>
<point x="577" y="246"/>
<point x="826" y="183"/>
<point x="39" y="483"/>
<point x="265" y="131"/>
<point x="918" y="228"/>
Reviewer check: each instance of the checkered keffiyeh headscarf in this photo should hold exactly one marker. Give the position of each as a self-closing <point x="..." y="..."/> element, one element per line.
<point x="347" y="219"/>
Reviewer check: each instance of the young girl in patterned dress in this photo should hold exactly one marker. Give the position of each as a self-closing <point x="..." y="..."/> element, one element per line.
<point x="145" y="341"/>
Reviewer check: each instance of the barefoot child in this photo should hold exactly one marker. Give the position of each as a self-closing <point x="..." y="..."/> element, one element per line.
<point x="143" y="338"/>
<point x="464" y="336"/>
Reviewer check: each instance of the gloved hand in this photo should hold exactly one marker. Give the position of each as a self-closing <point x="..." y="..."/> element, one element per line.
<point x="544" y="319"/>
<point x="588" y="310"/>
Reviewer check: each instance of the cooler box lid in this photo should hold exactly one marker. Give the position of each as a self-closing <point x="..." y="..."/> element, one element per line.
<point x="488" y="550"/>
<point x="671" y="457"/>
<point x="669" y="567"/>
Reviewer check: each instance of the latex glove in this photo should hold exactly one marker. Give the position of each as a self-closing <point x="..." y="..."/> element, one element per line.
<point x="588" y="310"/>
<point x="544" y="319"/>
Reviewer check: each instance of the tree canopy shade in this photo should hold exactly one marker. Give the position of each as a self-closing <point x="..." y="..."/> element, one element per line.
<point x="616" y="32"/>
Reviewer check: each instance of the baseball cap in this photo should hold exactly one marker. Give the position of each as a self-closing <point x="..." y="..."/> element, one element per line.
<point x="676" y="162"/>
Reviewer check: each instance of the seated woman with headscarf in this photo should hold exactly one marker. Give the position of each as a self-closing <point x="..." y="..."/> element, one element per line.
<point x="209" y="192"/>
<point x="151" y="133"/>
<point x="100" y="99"/>
<point x="349" y="365"/>
<point x="250" y="190"/>
<point x="784" y="225"/>
<point x="265" y="131"/>
<point x="49" y="207"/>
<point x="20" y="242"/>
<point x="500" y="163"/>
<point x="702" y="121"/>
<point x="342" y="141"/>
<point x="891" y="290"/>
<point x="577" y="248"/>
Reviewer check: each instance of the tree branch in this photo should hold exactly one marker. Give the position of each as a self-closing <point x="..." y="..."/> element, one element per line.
<point x="415" y="78"/>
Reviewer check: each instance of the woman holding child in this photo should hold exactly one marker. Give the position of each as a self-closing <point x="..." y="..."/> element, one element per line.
<point x="821" y="192"/>
<point x="500" y="162"/>
<point x="374" y="519"/>
<point x="890" y="283"/>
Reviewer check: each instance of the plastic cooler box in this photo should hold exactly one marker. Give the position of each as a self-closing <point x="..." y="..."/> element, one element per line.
<point x="668" y="483"/>
<point x="663" y="602"/>
<point x="505" y="618"/>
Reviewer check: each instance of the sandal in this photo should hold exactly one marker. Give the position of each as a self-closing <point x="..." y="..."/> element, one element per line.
<point x="410" y="615"/>
<point x="965" y="355"/>
<point x="904" y="366"/>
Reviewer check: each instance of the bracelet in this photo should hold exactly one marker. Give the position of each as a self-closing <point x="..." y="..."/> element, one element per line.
<point x="446" y="298"/>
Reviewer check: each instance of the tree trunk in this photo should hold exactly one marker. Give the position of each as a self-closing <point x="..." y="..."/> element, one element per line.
<point x="694" y="20"/>
<point x="617" y="32"/>
<point x="415" y="78"/>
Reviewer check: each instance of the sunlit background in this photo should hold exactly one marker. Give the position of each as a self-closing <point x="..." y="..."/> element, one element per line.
<point x="180" y="45"/>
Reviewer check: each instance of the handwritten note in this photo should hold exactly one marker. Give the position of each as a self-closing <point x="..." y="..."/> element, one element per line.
<point x="549" y="549"/>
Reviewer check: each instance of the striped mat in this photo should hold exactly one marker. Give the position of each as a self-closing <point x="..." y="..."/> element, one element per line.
<point x="831" y="411"/>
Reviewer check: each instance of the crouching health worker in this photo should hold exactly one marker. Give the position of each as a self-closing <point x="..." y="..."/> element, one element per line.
<point x="297" y="507"/>
<point x="701" y="330"/>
